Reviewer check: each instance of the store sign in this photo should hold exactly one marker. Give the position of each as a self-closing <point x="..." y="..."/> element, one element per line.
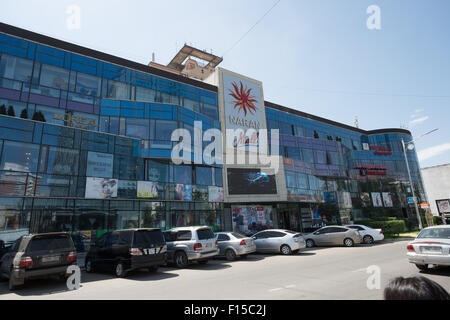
<point x="381" y="150"/>
<point x="411" y="200"/>
<point x="425" y="205"/>
<point x="78" y="122"/>
<point x="100" y="165"/>
<point x="243" y="107"/>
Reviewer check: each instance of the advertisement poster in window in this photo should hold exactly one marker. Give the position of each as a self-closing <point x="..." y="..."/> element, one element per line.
<point x="100" y="165"/>
<point x="183" y="192"/>
<point x="387" y="199"/>
<point x="243" y="106"/>
<point x="345" y="199"/>
<point x="101" y="188"/>
<point x="251" y="219"/>
<point x="147" y="189"/>
<point x="215" y="194"/>
<point x="443" y="206"/>
<point x="376" y="199"/>
<point x="199" y="193"/>
<point x="365" y="199"/>
<point x="184" y="219"/>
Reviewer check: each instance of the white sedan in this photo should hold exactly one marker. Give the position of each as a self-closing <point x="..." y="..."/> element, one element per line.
<point x="368" y="234"/>
<point x="432" y="246"/>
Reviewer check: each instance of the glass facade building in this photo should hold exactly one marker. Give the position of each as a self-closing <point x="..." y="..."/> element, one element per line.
<point x="85" y="147"/>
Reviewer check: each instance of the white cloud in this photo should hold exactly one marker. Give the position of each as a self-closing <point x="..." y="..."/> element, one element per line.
<point x="432" y="152"/>
<point x="418" y="121"/>
<point x="419" y="110"/>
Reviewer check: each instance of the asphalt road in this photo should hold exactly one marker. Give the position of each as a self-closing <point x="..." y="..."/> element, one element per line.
<point x="317" y="273"/>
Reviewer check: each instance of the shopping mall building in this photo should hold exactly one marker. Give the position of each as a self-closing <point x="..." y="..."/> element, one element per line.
<point x="85" y="146"/>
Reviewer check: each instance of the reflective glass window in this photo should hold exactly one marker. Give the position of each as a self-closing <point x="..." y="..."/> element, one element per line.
<point x="203" y="176"/>
<point x="157" y="171"/>
<point x="182" y="174"/>
<point x="88" y="85"/>
<point x="15" y="68"/>
<point x="144" y="94"/>
<point x="18" y="156"/>
<point x="308" y="155"/>
<point x="54" y="77"/>
<point x="61" y="161"/>
<point x="138" y="128"/>
<point x="118" y="90"/>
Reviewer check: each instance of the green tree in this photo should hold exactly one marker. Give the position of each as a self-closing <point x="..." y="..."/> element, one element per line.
<point x="2" y="109"/>
<point x="11" y="111"/>
<point x="24" y="114"/>
<point x="316" y="135"/>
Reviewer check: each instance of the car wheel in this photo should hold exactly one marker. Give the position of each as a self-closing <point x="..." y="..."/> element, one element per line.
<point x="230" y="255"/>
<point x="88" y="266"/>
<point x="119" y="270"/>
<point x="422" y="267"/>
<point x="181" y="260"/>
<point x="285" y="250"/>
<point x="348" y="242"/>
<point x="310" y="243"/>
<point x="368" y="240"/>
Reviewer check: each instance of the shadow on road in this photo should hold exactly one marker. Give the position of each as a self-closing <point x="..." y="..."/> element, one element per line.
<point x="53" y="285"/>
<point x="437" y="271"/>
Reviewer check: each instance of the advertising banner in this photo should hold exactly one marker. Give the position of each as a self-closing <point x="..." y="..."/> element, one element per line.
<point x="387" y="199"/>
<point x="147" y="189"/>
<point x="215" y="194"/>
<point x="183" y="192"/>
<point x="251" y="219"/>
<point x="376" y="199"/>
<point x="99" y="165"/>
<point x="101" y="188"/>
<point x="345" y="199"/>
<point x="365" y="199"/>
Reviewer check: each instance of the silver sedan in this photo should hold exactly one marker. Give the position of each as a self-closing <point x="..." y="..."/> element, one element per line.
<point x="233" y="244"/>
<point x="432" y="246"/>
<point x="279" y="241"/>
<point x="333" y="235"/>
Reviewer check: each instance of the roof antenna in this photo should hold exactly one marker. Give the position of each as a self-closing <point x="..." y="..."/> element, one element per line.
<point x="356" y="122"/>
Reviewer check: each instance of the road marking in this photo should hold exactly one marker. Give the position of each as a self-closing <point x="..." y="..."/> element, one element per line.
<point x="276" y="289"/>
<point x="290" y="286"/>
<point x="360" y="270"/>
<point x="285" y="287"/>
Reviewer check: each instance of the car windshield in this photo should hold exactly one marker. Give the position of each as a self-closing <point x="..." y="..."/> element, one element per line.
<point x="143" y="239"/>
<point x="442" y="233"/>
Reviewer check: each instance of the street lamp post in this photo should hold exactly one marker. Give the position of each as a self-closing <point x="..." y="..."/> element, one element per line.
<point x="409" y="174"/>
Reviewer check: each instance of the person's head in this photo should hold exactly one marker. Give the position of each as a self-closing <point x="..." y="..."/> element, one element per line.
<point x="414" y="288"/>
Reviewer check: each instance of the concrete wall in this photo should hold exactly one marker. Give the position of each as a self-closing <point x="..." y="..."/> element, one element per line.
<point x="437" y="184"/>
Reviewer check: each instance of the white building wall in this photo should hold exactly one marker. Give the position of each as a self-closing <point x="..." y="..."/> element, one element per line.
<point x="437" y="184"/>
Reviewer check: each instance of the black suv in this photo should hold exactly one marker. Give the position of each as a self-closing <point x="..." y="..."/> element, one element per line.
<point x="38" y="255"/>
<point x="124" y="250"/>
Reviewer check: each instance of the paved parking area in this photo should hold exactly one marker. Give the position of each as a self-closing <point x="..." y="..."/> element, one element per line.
<point x="317" y="273"/>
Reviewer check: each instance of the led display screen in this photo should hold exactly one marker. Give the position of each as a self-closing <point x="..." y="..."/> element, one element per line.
<point x="250" y="181"/>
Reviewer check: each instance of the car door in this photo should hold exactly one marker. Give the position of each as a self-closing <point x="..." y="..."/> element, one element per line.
<point x="7" y="259"/>
<point x="261" y="241"/>
<point x="102" y="256"/>
<point x="336" y="235"/>
<point x="321" y="236"/>
<point x="223" y="241"/>
<point x="274" y="240"/>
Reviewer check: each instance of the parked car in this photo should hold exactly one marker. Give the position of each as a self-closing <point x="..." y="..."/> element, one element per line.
<point x="122" y="251"/>
<point x="368" y="234"/>
<point x="233" y="244"/>
<point x="281" y="241"/>
<point x="189" y="244"/>
<point x="333" y="235"/>
<point x="3" y="248"/>
<point x="432" y="246"/>
<point x="38" y="255"/>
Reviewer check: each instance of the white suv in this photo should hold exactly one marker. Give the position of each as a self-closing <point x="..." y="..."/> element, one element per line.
<point x="188" y="244"/>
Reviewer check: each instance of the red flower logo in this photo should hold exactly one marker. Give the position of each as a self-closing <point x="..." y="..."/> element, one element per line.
<point x="244" y="100"/>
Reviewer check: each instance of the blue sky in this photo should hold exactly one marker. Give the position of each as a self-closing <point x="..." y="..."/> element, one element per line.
<point x="315" y="56"/>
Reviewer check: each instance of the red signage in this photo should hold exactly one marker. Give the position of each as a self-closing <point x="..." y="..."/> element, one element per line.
<point x="381" y="150"/>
